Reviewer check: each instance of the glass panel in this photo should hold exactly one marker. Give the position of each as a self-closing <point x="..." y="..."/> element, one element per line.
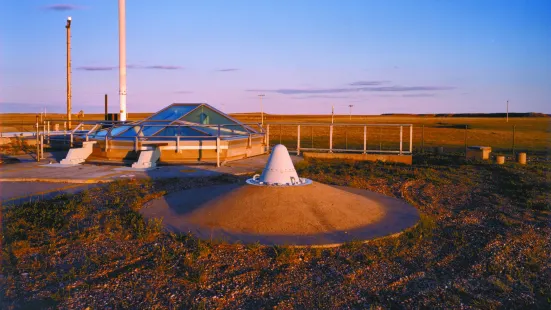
<point x="181" y="131"/>
<point x="173" y="113"/>
<point x="119" y="130"/>
<point x="132" y="132"/>
<point x="99" y="133"/>
<point x="150" y="130"/>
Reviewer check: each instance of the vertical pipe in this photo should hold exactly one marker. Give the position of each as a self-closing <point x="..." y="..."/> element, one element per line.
<point x="106" y="109"/>
<point x="365" y="139"/>
<point x="68" y="27"/>
<point x="401" y="138"/>
<point x="122" y="60"/>
<point x="331" y="139"/>
<point x="298" y="139"/>
<point x="410" y="139"/>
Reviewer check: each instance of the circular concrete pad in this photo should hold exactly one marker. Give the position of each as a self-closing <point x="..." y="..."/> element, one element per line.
<point x="316" y="214"/>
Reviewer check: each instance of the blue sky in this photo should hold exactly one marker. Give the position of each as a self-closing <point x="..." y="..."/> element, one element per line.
<point x="381" y="56"/>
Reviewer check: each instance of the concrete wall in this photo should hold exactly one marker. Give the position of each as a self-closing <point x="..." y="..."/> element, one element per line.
<point x="404" y="159"/>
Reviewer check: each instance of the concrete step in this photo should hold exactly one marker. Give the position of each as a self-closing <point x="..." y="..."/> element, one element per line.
<point x="77" y="156"/>
<point x="147" y="159"/>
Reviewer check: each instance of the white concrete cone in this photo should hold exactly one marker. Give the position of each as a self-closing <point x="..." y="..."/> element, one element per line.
<point x="279" y="169"/>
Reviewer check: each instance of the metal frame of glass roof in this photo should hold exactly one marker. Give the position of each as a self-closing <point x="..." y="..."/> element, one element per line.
<point x="160" y="121"/>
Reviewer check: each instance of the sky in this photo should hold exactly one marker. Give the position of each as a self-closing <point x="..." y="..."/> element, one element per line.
<point x="379" y="56"/>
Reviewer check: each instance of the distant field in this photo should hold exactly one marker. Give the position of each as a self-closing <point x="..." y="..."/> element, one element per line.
<point x="532" y="134"/>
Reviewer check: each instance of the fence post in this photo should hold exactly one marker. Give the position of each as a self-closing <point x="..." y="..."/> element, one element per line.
<point x="71" y="139"/>
<point x="365" y="139"/>
<point x="177" y="144"/>
<point x="106" y="142"/>
<point x="218" y="151"/>
<point x="330" y="138"/>
<point x="312" y="136"/>
<point x="42" y="146"/>
<point x="48" y="129"/>
<point x="37" y="141"/>
<point x="466" y="126"/>
<point x="401" y="139"/>
<point x="514" y="129"/>
<point x="423" y="138"/>
<point x="411" y="139"/>
<point x="298" y="139"/>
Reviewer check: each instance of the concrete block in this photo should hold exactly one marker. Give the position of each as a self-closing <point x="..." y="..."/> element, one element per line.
<point x="77" y="156"/>
<point x="478" y="152"/>
<point x="147" y="159"/>
<point x="521" y="158"/>
<point x="500" y="159"/>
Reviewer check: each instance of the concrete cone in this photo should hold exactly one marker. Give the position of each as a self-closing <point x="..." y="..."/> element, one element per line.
<point x="280" y="168"/>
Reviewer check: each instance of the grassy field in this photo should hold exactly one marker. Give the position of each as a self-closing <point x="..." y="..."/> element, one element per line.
<point x="531" y="134"/>
<point x="483" y="242"/>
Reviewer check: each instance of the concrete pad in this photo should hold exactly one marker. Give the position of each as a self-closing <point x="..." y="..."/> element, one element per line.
<point x="318" y="214"/>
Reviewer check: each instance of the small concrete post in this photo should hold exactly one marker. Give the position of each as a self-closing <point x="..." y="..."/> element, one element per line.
<point x="37" y="141"/>
<point x="500" y="159"/>
<point x="410" y="139"/>
<point x="331" y="139"/>
<point x="41" y="146"/>
<point x="401" y="138"/>
<point x="177" y="144"/>
<point x="298" y="139"/>
<point x="268" y="136"/>
<point x="218" y="151"/>
<point x="521" y="158"/>
<point x="365" y="139"/>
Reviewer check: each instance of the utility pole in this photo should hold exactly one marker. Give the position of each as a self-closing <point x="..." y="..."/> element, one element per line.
<point x="350" y="106"/>
<point x="261" y="110"/>
<point x="122" y="60"/>
<point x="332" y="114"/>
<point x="68" y="27"/>
<point x="507" y="111"/>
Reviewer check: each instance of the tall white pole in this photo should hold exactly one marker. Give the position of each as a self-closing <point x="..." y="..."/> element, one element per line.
<point x="507" y="111"/>
<point x="332" y="114"/>
<point x="261" y="110"/>
<point x="122" y="60"/>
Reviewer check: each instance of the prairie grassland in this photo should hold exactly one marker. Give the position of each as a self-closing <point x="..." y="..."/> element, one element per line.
<point x="532" y="134"/>
<point x="482" y="242"/>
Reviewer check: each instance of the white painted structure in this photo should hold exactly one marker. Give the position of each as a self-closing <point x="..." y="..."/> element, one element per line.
<point x="279" y="170"/>
<point x="78" y="155"/>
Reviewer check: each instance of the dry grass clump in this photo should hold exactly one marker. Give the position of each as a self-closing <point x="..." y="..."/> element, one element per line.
<point x="483" y="242"/>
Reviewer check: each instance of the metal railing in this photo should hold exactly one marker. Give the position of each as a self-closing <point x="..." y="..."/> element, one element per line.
<point x="355" y="138"/>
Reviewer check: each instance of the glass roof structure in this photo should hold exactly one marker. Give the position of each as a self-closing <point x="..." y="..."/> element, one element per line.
<point x="193" y="120"/>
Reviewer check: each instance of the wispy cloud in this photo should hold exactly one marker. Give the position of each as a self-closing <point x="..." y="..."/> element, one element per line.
<point x="62" y="7"/>
<point x="322" y="97"/>
<point x="227" y="70"/>
<point x="368" y="83"/>
<point x="108" y="68"/>
<point x="96" y="68"/>
<point x="296" y="91"/>
<point x="419" y="95"/>
<point x="163" y="67"/>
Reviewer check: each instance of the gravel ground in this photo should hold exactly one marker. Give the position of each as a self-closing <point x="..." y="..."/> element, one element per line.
<point x="483" y="242"/>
